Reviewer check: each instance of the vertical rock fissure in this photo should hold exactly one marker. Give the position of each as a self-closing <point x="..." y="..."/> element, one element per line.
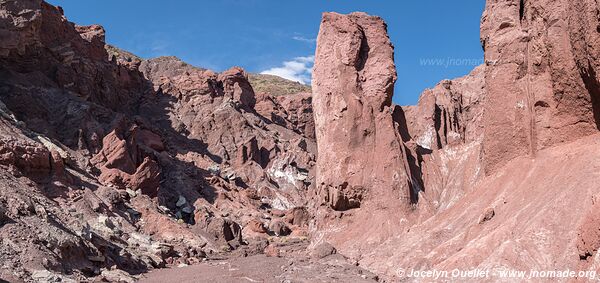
<point x="445" y="126"/>
<point x="415" y="175"/>
<point x="521" y="9"/>
<point x="437" y="123"/>
<point x="363" y="53"/>
<point x="530" y="97"/>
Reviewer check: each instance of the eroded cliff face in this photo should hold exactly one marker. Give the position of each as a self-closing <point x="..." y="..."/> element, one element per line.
<point x="382" y="168"/>
<point x="445" y="132"/>
<point x="449" y="114"/>
<point x="113" y="165"/>
<point x="489" y="150"/>
<point x="542" y="58"/>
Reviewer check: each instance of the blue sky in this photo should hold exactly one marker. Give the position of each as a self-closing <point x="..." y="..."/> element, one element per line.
<point x="434" y="39"/>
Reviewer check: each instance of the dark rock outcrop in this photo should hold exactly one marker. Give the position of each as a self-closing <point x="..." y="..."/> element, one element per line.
<point x="119" y="141"/>
<point x="128" y="159"/>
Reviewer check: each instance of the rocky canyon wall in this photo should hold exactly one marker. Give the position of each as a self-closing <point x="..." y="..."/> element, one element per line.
<point x="112" y="165"/>
<point x="381" y="167"/>
<point x="490" y="150"/>
<point x="541" y="59"/>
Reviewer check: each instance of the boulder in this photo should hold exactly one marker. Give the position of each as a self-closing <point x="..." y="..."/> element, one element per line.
<point x="279" y="228"/>
<point x="147" y="177"/>
<point x="272" y="251"/>
<point x="58" y="164"/>
<point x="298" y="216"/>
<point x="225" y="230"/>
<point x="28" y="157"/>
<point x="322" y="250"/>
<point x="237" y="87"/>
<point x="257" y="226"/>
<point x="127" y="160"/>
<point x="115" y="154"/>
<point x="487" y="215"/>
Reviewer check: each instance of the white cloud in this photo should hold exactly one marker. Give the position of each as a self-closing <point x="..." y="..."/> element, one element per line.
<point x="159" y="47"/>
<point x="304" y="39"/>
<point x="299" y="69"/>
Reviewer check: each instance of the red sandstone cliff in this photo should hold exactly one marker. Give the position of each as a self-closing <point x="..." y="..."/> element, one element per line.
<point x="112" y="165"/>
<point x="541" y="77"/>
<point x="504" y="157"/>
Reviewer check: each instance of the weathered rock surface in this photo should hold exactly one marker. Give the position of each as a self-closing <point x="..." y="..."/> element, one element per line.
<point x="543" y="88"/>
<point x="127" y="160"/>
<point x="112" y="165"/>
<point x="124" y="165"/>
<point x="360" y="152"/>
<point x="522" y="119"/>
<point x="444" y="135"/>
<point x="449" y="114"/>
<point x="291" y="111"/>
<point x="410" y="162"/>
<point x="523" y="197"/>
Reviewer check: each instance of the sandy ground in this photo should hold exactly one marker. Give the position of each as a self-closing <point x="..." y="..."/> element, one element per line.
<point x="261" y="268"/>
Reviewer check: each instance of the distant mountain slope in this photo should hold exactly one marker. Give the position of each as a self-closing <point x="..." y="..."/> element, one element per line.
<point x="275" y="85"/>
<point x="270" y="84"/>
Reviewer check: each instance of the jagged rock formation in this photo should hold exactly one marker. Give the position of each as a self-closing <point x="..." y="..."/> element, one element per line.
<point x="112" y="165"/>
<point x="291" y="111"/>
<point x="107" y="159"/>
<point x="383" y="165"/>
<point x="523" y="118"/>
<point x="410" y="163"/>
<point x="449" y="114"/>
<point x="225" y="134"/>
<point x="360" y="153"/>
<point x="444" y="133"/>
<point x="128" y="159"/>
